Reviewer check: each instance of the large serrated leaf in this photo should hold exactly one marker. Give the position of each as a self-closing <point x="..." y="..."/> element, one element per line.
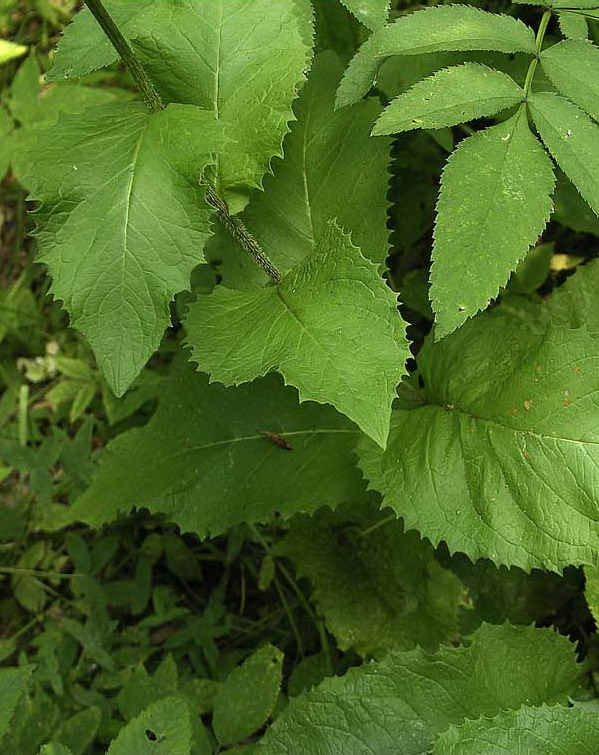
<point x="573" y="140"/>
<point x="13" y="683"/>
<point x="206" y="459"/>
<point x="494" y="203"/>
<point x="331" y="169"/>
<point x="436" y="29"/>
<point x="363" y="565"/>
<point x="243" y="61"/>
<point x="331" y="328"/>
<point x="372" y="13"/>
<point x="450" y="96"/>
<point x="501" y="460"/>
<point x="546" y="730"/>
<point x="122" y="222"/>
<point x="402" y="703"/>
<point x="573" y="66"/>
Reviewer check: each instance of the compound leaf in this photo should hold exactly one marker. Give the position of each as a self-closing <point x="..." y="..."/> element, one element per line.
<point x="123" y="222"/>
<point x="331" y="328"/>
<point x="448" y="97"/>
<point x="207" y="462"/>
<point x="546" y="730"/>
<point x="573" y="66"/>
<point x="363" y="565"/>
<point x="403" y="702"/>
<point x="494" y="203"/>
<point x="440" y="28"/>
<point x="372" y="13"/>
<point x="573" y="140"/>
<point x="164" y="728"/>
<point x="248" y="696"/>
<point x="331" y="169"/>
<point x="499" y="455"/>
<point x="243" y="61"/>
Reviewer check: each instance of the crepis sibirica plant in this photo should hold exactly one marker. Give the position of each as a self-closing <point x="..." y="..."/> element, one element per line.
<point x="257" y="149"/>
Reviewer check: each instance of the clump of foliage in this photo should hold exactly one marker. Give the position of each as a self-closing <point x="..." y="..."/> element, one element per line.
<point x="299" y="422"/>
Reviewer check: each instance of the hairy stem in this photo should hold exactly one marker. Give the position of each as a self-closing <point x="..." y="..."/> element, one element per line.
<point x="122" y="46"/>
<point x="240" y="233"/>
<point x="535" y="61"/>
<point x="232" y="223"/>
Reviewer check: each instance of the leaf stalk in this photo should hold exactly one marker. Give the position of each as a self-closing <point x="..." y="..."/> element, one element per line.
<point x="539" y="45"/>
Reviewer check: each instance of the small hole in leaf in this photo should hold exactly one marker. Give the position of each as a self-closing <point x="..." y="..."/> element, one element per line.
<point x="151" y="735"/>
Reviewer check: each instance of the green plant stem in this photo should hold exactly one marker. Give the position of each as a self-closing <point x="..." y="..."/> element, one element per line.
<point x="535" y="61"/>
<point x="240" y="233"/>
<point x="122" y="46"/>
<point x="233" y="224"/>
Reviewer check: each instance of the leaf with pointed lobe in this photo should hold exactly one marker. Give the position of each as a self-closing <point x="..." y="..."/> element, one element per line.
<point x="331" y="328"/>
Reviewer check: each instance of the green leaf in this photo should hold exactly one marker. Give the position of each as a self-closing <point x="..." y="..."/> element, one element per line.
<point x="13" y="683"/>
<point x="372" y="13"/>
<point x="245" y="701"/>
<point x="10" y="51"/>
<point x="547" y="730"/>
<point x="55" y="749"/>
<point x="6" y="141"/>
<point x="448" y="97"/>
<point x="591" y="590"/>
<point x="499" y="454"/>
<point x="440" y="28"/>
<point x="363" y="565"/>
<point x="242" y="61"/>
<point x="403" y="702"/>
<point x="162" y="729"/>
<point x="479" y="243"/>
<point x="331" y="328"/>
<point x="571" y="210"/>
<point x="79" y="731"/>
<point x="122" y="222"/>
<point x="194" y="459"/>
<point x="331" y="169"/>
<point x="573" y="25"/>
<point x="573" y="66"/>
<point x="573" y="140"/>
<point x="141" y="690"/>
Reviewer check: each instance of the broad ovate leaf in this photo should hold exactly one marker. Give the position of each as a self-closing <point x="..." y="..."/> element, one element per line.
<point x="246" y="699"/>
<point x="331" y="169"/>
<point x="360" y="565"/>
<point x="123" y="222"/>
<point x="331" y="328"/>
<point x="573" y="66"/>
<point x="545" y="730"/>
<point x="401" y="704"/>
<point x="499" y="453"/>
<point x="372" y="13"/>
<point x="212" y="457"/>
<point x="442" y="28"/>
<point x="164" y="728"/>
<point x="573" y="140"/>
<point x="450" y="96"/>
<point x="494" y="203"/>
<point x="243" y="61"/>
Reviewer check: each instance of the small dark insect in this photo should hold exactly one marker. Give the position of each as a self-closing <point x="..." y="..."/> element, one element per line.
<point x="277" y="440"/>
